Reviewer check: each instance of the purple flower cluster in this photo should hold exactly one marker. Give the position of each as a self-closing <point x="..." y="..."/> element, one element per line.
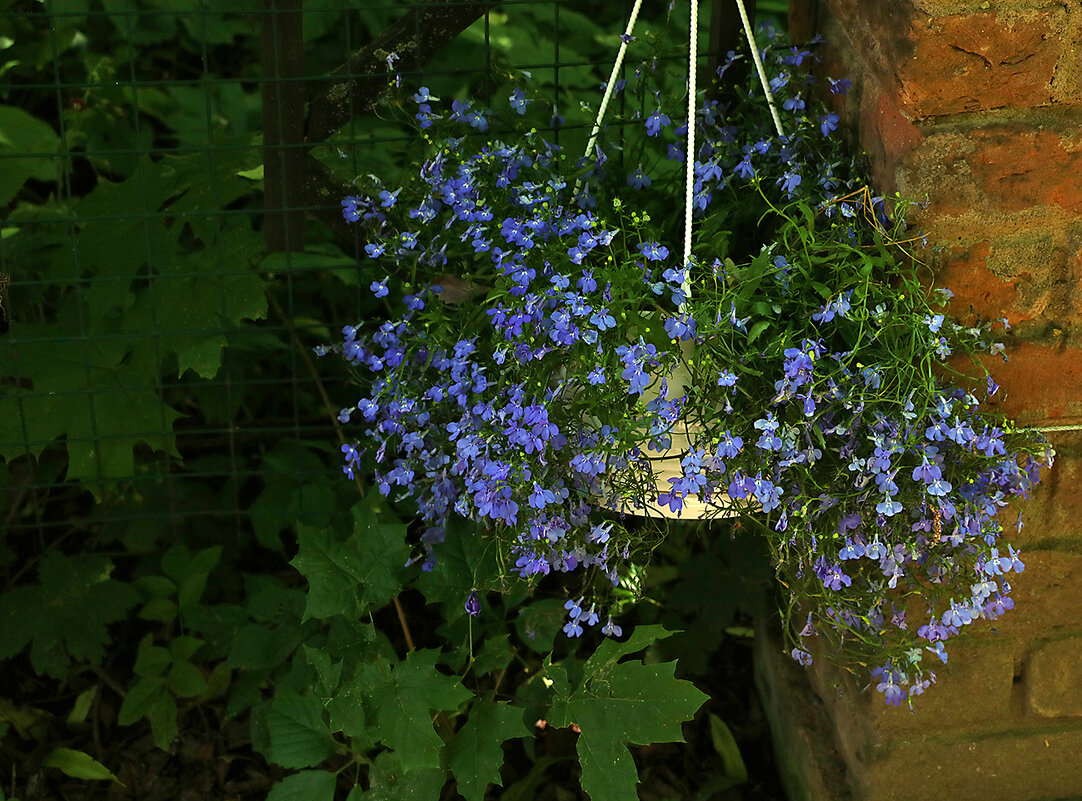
<point x="795" y="385"/>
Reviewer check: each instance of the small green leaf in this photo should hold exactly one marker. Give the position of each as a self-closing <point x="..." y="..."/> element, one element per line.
<point x="728" y="750"/>
<point x="308" y="785"/>
<point x="150" y="659"/>
<point x="160" y="610"/>
<point x="81" y="708"/>
<point x="757" y="329"/>
<point x="254" y="174"/>
<point x="476" y="753"/>
<point x="78" y="765"/>
<point x="163" y="720"/>
<point x="184" y="647"/>
<point x="140" y="699"/>
<point x="186" y="680"/>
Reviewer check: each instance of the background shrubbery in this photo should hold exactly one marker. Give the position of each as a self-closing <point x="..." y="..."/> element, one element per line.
<point x="180" y="554"/>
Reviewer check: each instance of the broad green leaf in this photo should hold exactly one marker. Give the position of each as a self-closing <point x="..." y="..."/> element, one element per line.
<point x="348" y="577"/>
<point x="330" y="672"/>
<point x="467" y="561"/>
<point x="308" y="785"/>
<point x="495" y="654"/>
<point x="390" y="780"/>
<point x="184" y="647"/>
<point x="99" y="394"/>
<point x="299" y="738"/>
<point x="260" y="648"/>
<point x="616" y="704"/>
<point x="539" y="623"/>
<point x="78" y="765"/>
<point x="35" y="141"/>
<point x="200" y="296"/>
<point x="66" y="615"/>
<point x="476" y="752"/>
<point x="401" y="699"/>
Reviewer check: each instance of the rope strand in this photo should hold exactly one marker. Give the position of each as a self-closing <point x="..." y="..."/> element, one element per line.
<point x="612" y="80"/>
<point x="689" y="156"/>
<point x="759" y="67"/>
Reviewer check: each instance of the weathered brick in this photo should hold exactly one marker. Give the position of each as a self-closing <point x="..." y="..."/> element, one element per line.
<point x="1023" y="764"/>
<point x="973" y="691"/>
<point x="1041" y="383"/>
<point x="980" y="61"/>
<point x="1053" y="678"/>
<point x="964" y="271"/>
<point x="1046" y="598"/>
<point x="1018" y="168"/>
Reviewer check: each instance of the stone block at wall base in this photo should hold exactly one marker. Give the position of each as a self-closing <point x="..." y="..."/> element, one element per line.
<point x="808" y="761"/>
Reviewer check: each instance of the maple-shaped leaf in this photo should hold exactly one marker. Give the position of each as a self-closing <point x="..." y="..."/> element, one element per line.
<point x="616" y="704"/>
<point x="348" y="576"/>
<point x="96" y="392"/>
<point x="476" y="752"/>
<point x="65" y="617"/>
<point x="399" y="700"/>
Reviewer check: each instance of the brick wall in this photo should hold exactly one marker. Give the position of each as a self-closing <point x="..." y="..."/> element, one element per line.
<point x="976" y="107"/>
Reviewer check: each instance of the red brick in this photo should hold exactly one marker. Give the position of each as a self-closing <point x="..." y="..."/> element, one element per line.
<point x="1019" y="168"/>
<point x="1042" y="383"/>
<point x="980" y="61"/>
<point x="1053" y="678"/>
<point x="888" y="134"/>
<point x="965" y="272"/>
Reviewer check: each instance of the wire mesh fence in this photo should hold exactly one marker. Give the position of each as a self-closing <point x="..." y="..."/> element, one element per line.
<point x="172" y="244"/>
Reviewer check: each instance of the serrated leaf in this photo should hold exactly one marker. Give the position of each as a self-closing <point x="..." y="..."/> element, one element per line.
<point x="347" y="577"/>
<point x="495" y="654"/>
<point x="299" y="737"/>
<point x="467" y="561"/>
<point x="160" y="610"/>
<point x="401" y="699"/>
<point x="329" y="671"/>
<point x="66" y="615"/>
<point x="200" y="296"/>
<point x="615" y="704"/>
<point x="78" y="765"/>
<point x="257" y="647"/>
<point x="391" y="781"/>
<point x="102" y="395"/>
<point x="184" y="647"/>
<point x="476" y="752"/>
<point x="308" y="785"/>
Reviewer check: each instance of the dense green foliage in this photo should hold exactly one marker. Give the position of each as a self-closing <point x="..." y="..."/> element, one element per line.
<point x="167" y="450"/>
